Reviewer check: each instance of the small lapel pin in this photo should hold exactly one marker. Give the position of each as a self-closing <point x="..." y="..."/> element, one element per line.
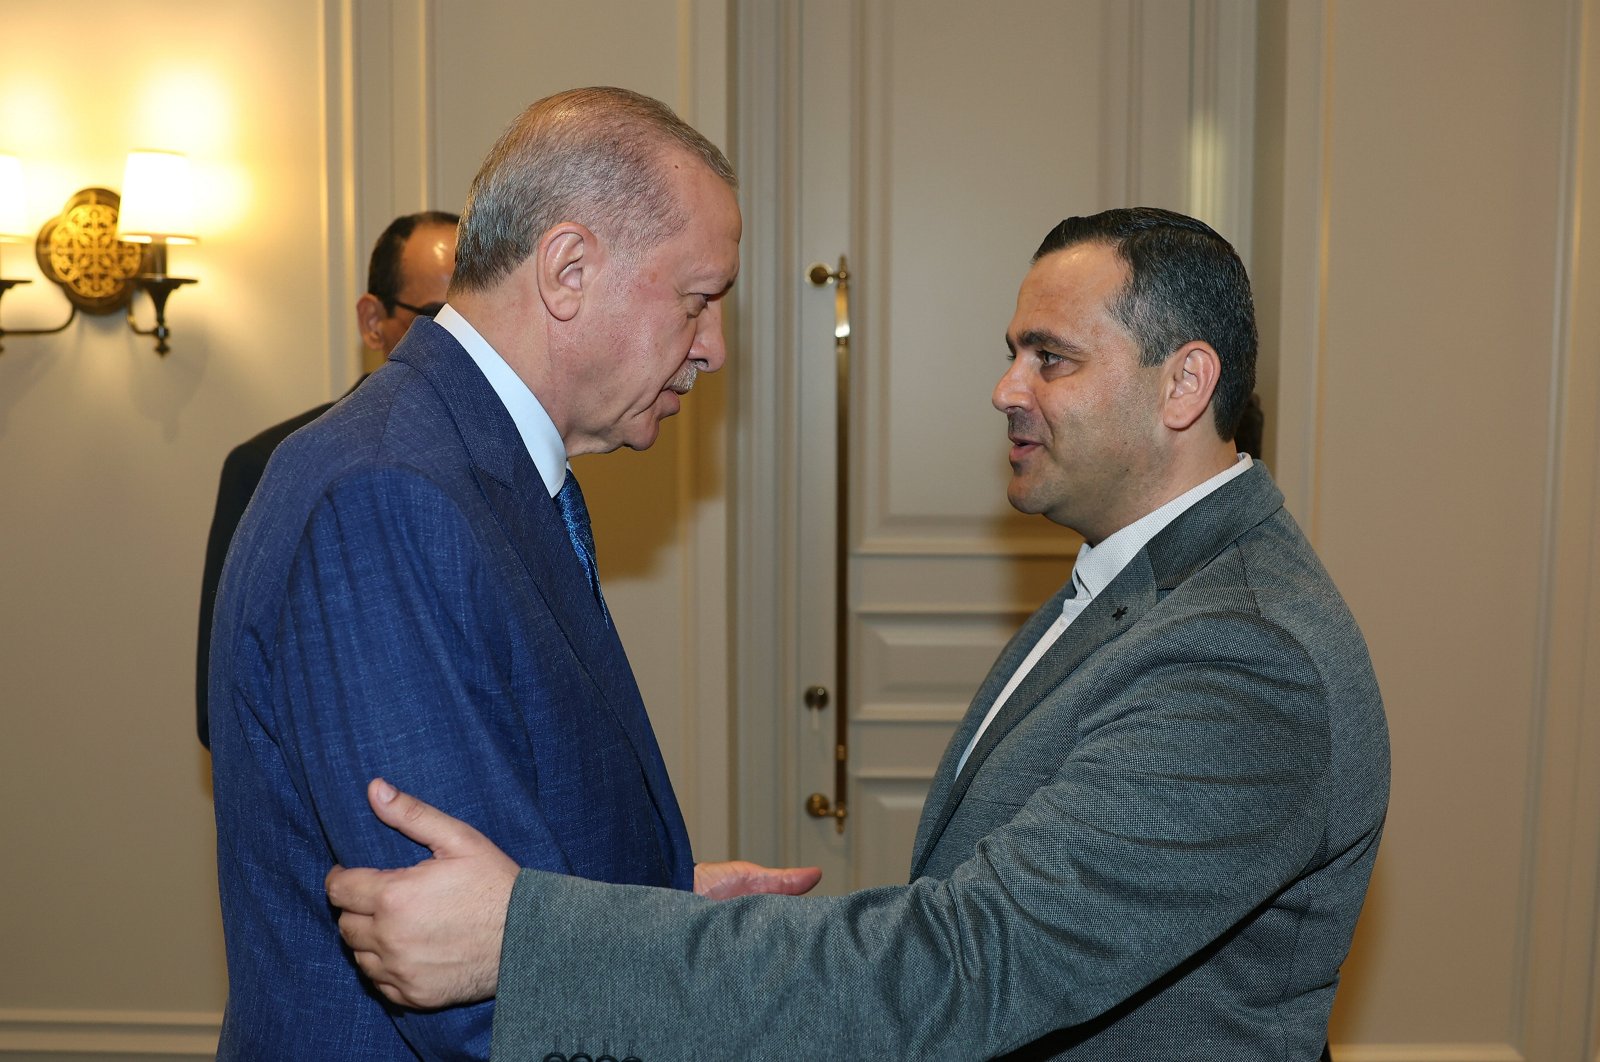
<point x="1122" y="610"/>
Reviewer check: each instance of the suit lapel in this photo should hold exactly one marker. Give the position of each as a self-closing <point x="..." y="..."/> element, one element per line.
<point x="511" y="484"/>
<point x="521" y="504"/>
<point x="1000" y="672"/>
<point x="1191" y="541"/>
<point x="1120" y="605"/>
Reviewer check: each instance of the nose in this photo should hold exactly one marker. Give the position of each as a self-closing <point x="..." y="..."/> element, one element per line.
<point x="709" y="350"/>
<point x="1012" y="390"/>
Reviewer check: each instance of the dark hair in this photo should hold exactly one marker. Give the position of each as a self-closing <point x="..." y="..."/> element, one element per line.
<point x="383" y="271"/>
<point x="1185" y="284"/>
<point x="1252" y="432"/>
<point x="592" y="156"/>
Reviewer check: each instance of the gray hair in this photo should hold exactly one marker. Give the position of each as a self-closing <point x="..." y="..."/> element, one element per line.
<point x="592" y="156"/>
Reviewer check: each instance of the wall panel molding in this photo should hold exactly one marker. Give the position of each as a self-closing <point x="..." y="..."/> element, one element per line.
<point x="109" y="1034"/>
<point x="704" y="743"/>
<point x="1495" y="964"/>
<point x="341" y="173"/>
<point x="762" y="476"/>
<point x="1300" y="283"/>
<point x="1427" y="1053"/>
<point x="1561" y="945"/>
<point x="1222" y="118"/>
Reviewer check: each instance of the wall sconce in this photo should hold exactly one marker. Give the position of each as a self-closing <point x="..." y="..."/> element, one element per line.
<point x="14" y="229"/>
<point x="92" y="249"/>
<point x="157" y="197"/>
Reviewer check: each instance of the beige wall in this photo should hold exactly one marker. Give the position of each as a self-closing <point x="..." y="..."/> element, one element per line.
<point x="108" y="467"/>
<point x="1424" y="286"/>
<point x="310" y="123"/>
<point x="1424" y="166"/>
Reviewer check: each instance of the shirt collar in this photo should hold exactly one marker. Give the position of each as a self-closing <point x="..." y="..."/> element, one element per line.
<point x="538" y="431"/>
<point x="1096" y="566"/>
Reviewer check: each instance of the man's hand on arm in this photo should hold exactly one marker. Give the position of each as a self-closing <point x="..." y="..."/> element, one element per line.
<point x="428" y="935"/>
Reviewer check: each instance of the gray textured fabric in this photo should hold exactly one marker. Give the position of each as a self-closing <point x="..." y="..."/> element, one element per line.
<point x="1157" y="851"/>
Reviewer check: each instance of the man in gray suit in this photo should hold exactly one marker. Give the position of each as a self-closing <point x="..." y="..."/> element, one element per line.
<point x="1151" y="836"/>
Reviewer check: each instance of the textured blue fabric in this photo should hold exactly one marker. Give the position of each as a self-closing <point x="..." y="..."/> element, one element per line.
<point x="394" y="605"/>
<point x="575" y="515"/>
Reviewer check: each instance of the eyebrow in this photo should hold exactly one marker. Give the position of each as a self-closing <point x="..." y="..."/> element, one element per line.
<point x="713" y="279"/>
<point x="1033" y="338"/>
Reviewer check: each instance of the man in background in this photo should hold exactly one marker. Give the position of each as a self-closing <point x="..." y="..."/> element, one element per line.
<point x="414" y="588"/>
<point x="407" y="278"/>
<point x="1149" y="838"/>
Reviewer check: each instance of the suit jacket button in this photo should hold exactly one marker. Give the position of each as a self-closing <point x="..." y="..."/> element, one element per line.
<point x="580" y="1058"/>
<point x="605" y="1058"/>
<point x="555" y="1057"/>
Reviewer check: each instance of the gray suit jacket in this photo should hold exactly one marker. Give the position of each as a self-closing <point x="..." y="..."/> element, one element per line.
<point x="1158" y="850"/>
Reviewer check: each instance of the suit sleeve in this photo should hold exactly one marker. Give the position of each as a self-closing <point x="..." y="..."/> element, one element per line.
<point x="395" y="662"/>
<point x="1192" y="796"/>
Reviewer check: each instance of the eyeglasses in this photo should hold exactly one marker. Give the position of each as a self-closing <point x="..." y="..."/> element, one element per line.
<point x="430" y="310"/>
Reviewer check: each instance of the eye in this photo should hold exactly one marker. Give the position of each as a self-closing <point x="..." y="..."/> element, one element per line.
<point x="1048" y="359"/>
<point x="698" y="301"/>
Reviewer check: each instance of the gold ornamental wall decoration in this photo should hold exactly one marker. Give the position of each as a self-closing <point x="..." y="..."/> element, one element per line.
<point x="79" y="250"/>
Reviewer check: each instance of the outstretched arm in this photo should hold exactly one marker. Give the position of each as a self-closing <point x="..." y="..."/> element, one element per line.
<point x="429" y="935"/>
<point x="1183" y="807"/>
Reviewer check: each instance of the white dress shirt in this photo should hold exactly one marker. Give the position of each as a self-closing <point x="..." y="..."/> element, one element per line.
<point x="538" y="431"/>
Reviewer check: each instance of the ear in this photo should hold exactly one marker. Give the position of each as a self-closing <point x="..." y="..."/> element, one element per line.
<point x="564" y="266"/>
<point x="1192" y="375"/>
<point x="369" y="315"/>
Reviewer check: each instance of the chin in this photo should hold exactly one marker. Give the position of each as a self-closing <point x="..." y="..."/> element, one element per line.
<point x="1020" y="501"/>
<point x="645" y="437"/>
<point x="1021" y="504"/>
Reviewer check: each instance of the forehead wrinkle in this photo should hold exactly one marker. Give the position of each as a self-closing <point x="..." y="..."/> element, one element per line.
<point x="711" y="272"/>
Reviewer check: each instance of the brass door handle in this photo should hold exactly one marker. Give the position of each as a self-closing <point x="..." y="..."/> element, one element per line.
<point x="818" y="805"/>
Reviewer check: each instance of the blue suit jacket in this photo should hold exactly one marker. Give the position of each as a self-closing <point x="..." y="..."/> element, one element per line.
<point x="402" y="600"/>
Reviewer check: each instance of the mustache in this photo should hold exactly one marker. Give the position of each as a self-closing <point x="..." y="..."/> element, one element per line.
<point x="1022" y="425"/>
<point x="683" y="381"/>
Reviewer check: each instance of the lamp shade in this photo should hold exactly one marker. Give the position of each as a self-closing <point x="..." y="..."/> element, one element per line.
<point x="13" y="200"/>
<point x="157" y="199"/>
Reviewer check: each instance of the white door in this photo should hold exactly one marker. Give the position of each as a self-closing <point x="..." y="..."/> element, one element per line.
<point x="932" y="143"/>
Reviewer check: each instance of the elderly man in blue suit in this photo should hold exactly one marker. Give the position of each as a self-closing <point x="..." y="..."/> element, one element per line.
<point x="413" y="591"/>
<point x="1150" y="837"/>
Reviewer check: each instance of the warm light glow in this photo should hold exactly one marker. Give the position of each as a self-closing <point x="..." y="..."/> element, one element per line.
<point x="157" y="199"/>
<point x="13" y="202"/>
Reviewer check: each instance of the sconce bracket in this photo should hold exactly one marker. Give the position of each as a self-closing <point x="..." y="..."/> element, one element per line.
<point x="79" y="250"/>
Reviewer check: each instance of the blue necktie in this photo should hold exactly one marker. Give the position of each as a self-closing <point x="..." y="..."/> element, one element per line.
<point x="575" y="515"/>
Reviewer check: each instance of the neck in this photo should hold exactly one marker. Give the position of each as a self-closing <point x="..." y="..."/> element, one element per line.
<point x="511" y="317"/>
<point x="1187" y="468"/>
<point x="1192" y="466"/>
